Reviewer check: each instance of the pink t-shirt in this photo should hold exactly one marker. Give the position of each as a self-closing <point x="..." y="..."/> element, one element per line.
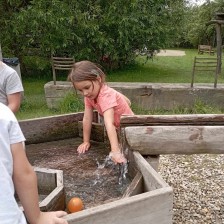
<point x="110" y="98"/>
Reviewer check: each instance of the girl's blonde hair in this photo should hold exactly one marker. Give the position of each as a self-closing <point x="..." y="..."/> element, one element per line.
<point x="85" y="70"/>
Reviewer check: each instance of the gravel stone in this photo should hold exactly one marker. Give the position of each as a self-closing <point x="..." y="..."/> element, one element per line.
<point x="198" y="185"/>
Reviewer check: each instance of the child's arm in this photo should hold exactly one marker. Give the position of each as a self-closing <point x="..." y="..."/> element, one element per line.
<point x="14" y="101"/>
<point x="87" y="125"/>
<point x="25" y="182"/>
<point x="116" y="155"/>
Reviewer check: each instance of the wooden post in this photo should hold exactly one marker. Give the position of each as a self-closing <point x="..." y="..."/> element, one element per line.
<point x="192" y="80"/>
<point x="218" y="21"/>
<point x="219" y="47"/>
<point x="0" y="53"/>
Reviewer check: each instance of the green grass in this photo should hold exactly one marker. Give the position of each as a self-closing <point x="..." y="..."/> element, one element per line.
<point x="34" y="103"/>
<point x="160" y="70"/>
<point x="164" y="70"/>
<point x="198" y="108"/>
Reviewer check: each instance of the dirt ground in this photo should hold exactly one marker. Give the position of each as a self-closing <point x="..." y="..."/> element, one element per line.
<point x="171" y="53"/>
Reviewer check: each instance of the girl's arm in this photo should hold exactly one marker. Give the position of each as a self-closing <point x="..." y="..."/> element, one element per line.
<point x="87" y="125"/>
<point x="25" y="181"/>
<point x="116" y="155"/>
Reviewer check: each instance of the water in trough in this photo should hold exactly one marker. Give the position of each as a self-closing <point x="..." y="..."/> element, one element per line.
<point x="90" y="176"/>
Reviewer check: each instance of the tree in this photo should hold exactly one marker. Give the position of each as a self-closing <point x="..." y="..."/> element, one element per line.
<point x="97" y="30"/>
<point x="194" y="28"/>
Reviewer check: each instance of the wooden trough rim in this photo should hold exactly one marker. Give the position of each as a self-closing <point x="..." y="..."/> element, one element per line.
<point x="186" y="119"/>
<point x="59" y="174"/>
<point x="51" y="117"/>
<point x="86" y="214"/>
<point x="59" y="185"/>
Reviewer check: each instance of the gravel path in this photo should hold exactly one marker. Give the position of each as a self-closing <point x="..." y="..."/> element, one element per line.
<point x="171" y="53"/>
<point x="198" y="185"/>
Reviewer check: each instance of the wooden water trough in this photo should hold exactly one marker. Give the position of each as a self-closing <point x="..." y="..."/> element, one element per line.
<point x="148" y="199"/>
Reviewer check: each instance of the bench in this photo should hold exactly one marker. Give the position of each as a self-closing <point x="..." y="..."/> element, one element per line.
<point x="205" y="49"/>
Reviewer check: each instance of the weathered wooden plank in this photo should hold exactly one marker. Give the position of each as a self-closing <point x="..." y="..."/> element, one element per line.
<point x="152" y="179"/>
<point x="187" y="119"/>
<point x="51" y="128"/>
<point x="43" y="174"/>
<point x="54" y="201"/>
<point x="97" y="131"/>
<point x="136" y="186"/>
<point x="151" y="207"/>
<point x="154" y="140"/>
<point x="50" y="189"/>
<point x="47" y="182"/>
<point x="50" y="179"/>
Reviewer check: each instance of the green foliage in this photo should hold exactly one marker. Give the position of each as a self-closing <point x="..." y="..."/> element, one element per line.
<point x="194" y="28"/>
<point x="101" y="31"/>
<point x="71" y="103"/>
<point x="34" y="102"/>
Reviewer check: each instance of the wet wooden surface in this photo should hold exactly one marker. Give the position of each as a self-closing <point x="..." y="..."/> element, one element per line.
<point x="84" y="175"/>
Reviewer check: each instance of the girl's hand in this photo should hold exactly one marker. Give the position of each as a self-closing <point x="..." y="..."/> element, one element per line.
<point x="117" y="157"/>
<point x="83" y="147"/>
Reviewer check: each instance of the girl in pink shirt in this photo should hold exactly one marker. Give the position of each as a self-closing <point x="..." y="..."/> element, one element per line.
<point x="89" y="79"/>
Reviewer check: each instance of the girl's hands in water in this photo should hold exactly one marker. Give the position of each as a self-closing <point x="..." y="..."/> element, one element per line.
<point x="117" y="157"/>
<point x="83" y="147"/>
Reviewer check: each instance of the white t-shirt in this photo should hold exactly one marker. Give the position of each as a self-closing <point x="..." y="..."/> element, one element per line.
<point x="10" y="82"/>
<point x="10" y="133"/>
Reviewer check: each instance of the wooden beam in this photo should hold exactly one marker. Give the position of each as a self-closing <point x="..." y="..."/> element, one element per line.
<point x="154" y="140"/>
<point x="51" y="128"/>
<point x="98" y="132"/>
<point x="187" y="119"/>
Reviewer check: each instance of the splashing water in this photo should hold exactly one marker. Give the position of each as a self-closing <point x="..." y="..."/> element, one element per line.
<point x="107" y="162"/>
<point x="123" y="167"/>
<point x="123" y="170"/>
